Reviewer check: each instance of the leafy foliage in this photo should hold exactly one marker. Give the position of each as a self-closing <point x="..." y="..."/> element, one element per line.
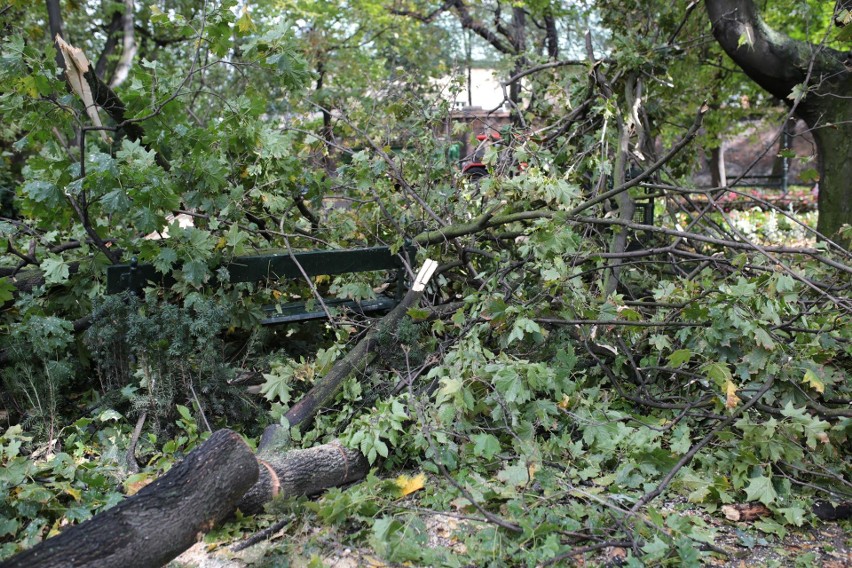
<point x="568" y="360"/>
<point x="160" y="355"/>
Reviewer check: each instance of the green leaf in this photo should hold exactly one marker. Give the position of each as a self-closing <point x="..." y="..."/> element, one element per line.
<point x="195" y="272"/>
<point x="785" y="283"/>
<point x="108" y="415"/>
<point x="809" y="175"/>
<point x="355" y="291"/>
<point x="516" y="475"/>
<point x="449" y="387"/>
<point x="688" y="553"/>
<point x="656" y="548"/>
<point x="381" y="448"/>
<point x="763" y="339"/>
<point x="245" y="24"/>
<point x="134" y="154"/>
<point x="485" y="445"/>
<point x="116" y="201"/>
<point x="7" y="290"/>
<point x="508" y="382"/>
<point x="418" y="314"/>
<point x="660" y="342"/>
<point x="236" y="239"/>
<point x="681" y="441"/>
<point x="56" y="270"/>
<point x="771" y="527"/>
<point x="798" y="93"/>
<point x="277" y="385"/>
<point x="165" y="260"/>
<point x="813" y="381"/>
<point x="523" y="326"/>
<point x="813" y="428"/>
<point x="719" y="373"/>
<point x="8" y="526"/>
<point x="760" y="489"/>
<point x="184" y="412"/>
<point x="699" y="485"/>
<point x="459" y="318"/>
<point x="742" y="289"/>
<point x="793" y="515"/>
<point x="43" y="192"/>
<point x="679" y="357"/>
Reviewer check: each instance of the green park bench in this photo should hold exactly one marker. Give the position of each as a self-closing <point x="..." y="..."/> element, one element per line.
<point x="285" y="266"/>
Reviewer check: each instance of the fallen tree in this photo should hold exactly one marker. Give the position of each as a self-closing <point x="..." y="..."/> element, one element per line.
<point x="173" y="512"/>
<point x="217" y="478"/>
<point x="163" y="519"/>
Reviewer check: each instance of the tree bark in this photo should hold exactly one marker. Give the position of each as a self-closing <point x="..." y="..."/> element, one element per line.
<point x="128" y="51"/>
<point x="54" y="22"/>
<point x="163" y="519"/>
<point x="303" y="472"/>
<point x="718" y="176"/>
<point x="519" y="42"/>
<point x="468" y="22"/>
<point x="552" y="37"/>
<point x="780" y="64"/>
<point x="110" y="45"/>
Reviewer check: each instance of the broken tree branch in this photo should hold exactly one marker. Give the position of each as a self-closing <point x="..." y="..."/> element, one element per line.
<point x="356" y="360"/>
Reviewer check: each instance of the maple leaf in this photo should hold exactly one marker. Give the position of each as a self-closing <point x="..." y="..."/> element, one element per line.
<point x="408" y="485"/>
<point x="813" y="381"/>
<point x="245" y="23"/>
<point x="761" y="489"/>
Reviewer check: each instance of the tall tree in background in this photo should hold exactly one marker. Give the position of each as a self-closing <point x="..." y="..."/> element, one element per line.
<point x="517" y="31"/>
<point x="815" y="80"/>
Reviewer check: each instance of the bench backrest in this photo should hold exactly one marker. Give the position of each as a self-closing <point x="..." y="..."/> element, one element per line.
<point x="273" y="266"/>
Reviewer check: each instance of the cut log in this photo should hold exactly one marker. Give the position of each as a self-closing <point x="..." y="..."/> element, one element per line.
<point x="162" y="520"/>
<point x="303" y="472"/>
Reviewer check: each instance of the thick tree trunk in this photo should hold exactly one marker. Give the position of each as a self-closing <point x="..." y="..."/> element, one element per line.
<point x="54" y="17"/>
<point x="780" y="64"/>
<point x="834" y="150"/>
<point x="519" y="42"/>
<point x="128" y="51"/>
<point x="110" y="45"/>
<point x="163" y="519"/>
<point x="552" y="37"/>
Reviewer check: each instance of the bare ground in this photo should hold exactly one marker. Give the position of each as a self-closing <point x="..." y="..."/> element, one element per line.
<point x="828" y="545"/>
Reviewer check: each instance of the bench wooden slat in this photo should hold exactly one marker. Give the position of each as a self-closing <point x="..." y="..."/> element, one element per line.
<point x="289" y="313"/>
<point x="314" y="263"/>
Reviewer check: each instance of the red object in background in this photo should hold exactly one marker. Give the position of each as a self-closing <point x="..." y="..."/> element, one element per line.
<point x="476" y="168"/>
